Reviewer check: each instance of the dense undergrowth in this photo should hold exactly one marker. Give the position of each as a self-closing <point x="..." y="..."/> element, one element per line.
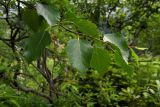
<point x="114" y="89"/>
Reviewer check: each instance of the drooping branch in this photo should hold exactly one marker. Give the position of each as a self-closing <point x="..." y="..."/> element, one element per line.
<point x="15" y="85"/>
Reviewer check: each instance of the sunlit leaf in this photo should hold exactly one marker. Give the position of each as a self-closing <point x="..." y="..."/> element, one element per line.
<point x="118" y="41"/>
<point x="140" y="48"/>
<point x="134" y="55"/>
<point x="87" y="27"/>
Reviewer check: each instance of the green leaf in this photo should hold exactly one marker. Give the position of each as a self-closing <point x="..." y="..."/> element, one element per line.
<point x="79" y="53"/>
<point x="120" y="42"/>
<point x="36" y="44"/>
<point x="119" y="61"/>
<point x="87" y="27"/>
<point x="140" y="48"/>
<point x="134" y="55"/>
<point x="100" y="60"/>
<point x="31" y="18"/>
<point x="12" y="102"/>
<point x="71" y="16"/>
<point x="50" y="14"/>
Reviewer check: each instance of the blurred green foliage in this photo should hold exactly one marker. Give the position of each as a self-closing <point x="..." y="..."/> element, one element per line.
<point x="110" y="78"/>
